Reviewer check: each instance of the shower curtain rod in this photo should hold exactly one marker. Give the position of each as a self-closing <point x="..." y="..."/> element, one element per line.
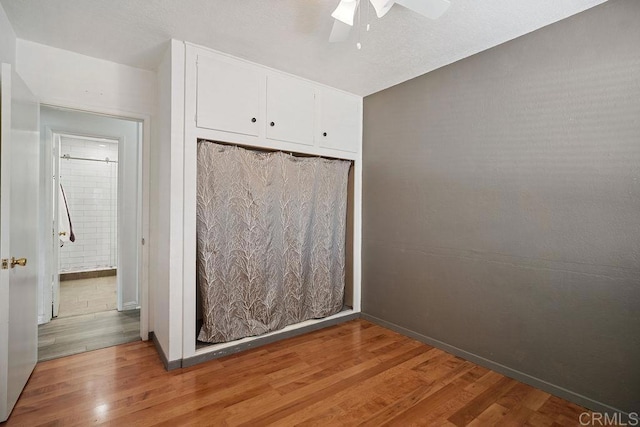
<point x="106" y="159"/>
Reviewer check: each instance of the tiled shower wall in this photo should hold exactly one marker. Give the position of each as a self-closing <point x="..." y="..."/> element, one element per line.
<point x="91" y="191"/>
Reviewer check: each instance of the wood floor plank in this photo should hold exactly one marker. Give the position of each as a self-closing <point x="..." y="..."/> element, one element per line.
<point x="424" y="406"/>
<point x="480" y="403"/>
<point x="535" y="399"/>
<point x="490" y="416"/>
<point x="313" y="393"/>
<point x="516" y="396"/>
<point x="539" y="420"/>
<point x="402" y="402"/>
<point x="356" y="373"/>
<point x="557" y="409"/>
<point x="399" y="406"/>
<point x="81" y="333"/>
<point x="517" y="416"/>
<point x="364" y="389"/>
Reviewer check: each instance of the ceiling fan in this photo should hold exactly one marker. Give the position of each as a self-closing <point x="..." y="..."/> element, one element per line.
<point x="346" y="11"/>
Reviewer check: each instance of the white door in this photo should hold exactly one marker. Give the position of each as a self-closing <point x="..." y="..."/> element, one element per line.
<point x="19" y="170"/>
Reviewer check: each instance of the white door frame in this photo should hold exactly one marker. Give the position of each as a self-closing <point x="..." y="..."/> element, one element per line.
<point x="143" y="197"/>
<point x="53" y="140"/>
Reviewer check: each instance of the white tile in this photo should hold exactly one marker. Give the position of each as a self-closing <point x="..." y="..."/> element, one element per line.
<point x="91" y="194"/>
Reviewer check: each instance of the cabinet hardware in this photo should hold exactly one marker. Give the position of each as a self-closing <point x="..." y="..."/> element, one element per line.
<point x="324" y="134"/>
<point x="19" y="261"/>
<point x="272" y="124"/>
<point x="5" y="263"/>
<point x="253" y="120"/>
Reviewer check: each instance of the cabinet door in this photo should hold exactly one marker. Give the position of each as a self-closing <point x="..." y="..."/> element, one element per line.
<point x="290" y="110"/>
<point x="339" y="123"/>
<point x="228" y="96"/>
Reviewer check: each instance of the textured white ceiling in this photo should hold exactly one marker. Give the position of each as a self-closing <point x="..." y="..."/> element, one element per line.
<point x="289" y="35"/>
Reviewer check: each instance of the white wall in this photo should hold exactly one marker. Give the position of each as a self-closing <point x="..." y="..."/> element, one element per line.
<point x="158" y="214"/>
<point x="91" y="191"/>
<point x="128" y="238"/>
<point x="166" y="204"/>
<point x="84" y="82"/>
<point x="7" y="39"/>
<point x="176" y="202"/>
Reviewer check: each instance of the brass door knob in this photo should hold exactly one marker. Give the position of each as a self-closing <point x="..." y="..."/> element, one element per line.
<point x="20" y="261"/>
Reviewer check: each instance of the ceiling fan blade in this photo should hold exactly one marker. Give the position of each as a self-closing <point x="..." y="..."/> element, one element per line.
<point x="345" y="11"/>
<point x="339" y="32"/>
<point x="430" y="8"/>
<point x="382" y="6"/>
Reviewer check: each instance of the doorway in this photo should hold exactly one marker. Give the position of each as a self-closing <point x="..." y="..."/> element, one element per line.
<point x="91" y="295"/>
<point x="85" y="210"/>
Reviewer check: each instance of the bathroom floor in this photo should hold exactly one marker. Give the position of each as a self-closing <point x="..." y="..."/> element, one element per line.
<point x="87" y="320"/>
<point x="86" y="296"/>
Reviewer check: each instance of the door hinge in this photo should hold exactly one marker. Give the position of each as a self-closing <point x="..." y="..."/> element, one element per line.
<point x="5" y="264"/>
<point x="143" y="240"/>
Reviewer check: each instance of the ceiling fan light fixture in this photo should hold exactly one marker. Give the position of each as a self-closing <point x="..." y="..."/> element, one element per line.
<point x="345" y="11"/>
<point x="382" y="6"/>
<point x="344" y="14"/>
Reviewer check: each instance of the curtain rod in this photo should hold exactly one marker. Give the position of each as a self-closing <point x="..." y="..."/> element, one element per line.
<point x="106" y="159"/>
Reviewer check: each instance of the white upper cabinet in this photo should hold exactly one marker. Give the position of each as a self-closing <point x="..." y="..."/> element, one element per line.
<point x="235" y="101"/>
<point x="228" y="96"/>
<point x="290" y="109"/>
<point x="338" y="121"/>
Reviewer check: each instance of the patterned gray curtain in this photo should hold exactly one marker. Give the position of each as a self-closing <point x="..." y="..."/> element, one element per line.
<point x="271" y="239"/>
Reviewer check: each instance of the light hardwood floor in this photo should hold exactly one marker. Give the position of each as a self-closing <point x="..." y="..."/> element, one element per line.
<point x="349" y="374"/>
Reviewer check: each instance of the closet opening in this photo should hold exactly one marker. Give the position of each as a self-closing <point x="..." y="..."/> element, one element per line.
<point x="306" y="242"/>
<point x="90" y="295"/>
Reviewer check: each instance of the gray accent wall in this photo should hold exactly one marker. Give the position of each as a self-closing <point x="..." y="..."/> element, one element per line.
<point x="501" y="209"/>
